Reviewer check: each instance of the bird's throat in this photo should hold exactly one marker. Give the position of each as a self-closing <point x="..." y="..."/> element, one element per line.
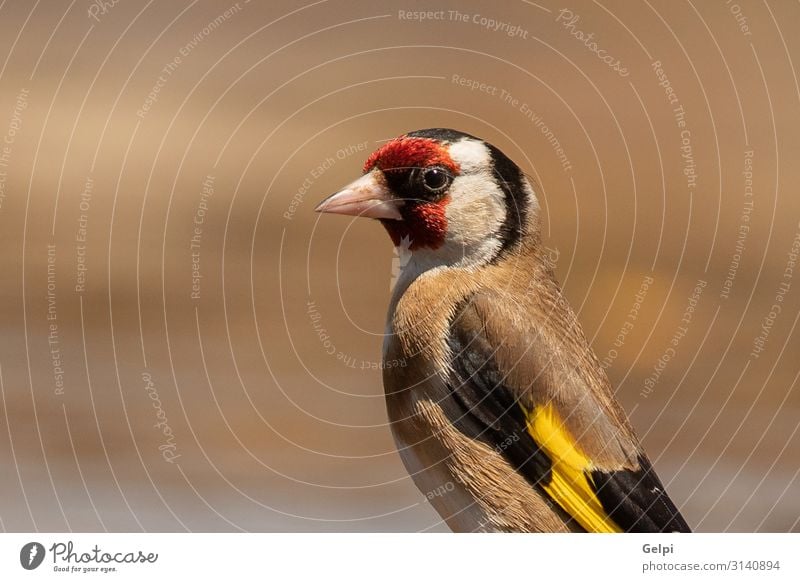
<point x="424" y="226"/>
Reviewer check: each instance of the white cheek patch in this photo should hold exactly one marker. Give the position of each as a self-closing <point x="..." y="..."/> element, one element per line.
<point x="475" y="214"/>
<point x="471" y="155"/>
<point x="476" y="208"/>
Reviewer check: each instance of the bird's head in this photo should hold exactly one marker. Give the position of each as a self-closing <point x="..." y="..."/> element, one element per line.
<point x="445" y="192"/>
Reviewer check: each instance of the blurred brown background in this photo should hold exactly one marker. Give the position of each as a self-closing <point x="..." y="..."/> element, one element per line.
<point x="185" y="345"/>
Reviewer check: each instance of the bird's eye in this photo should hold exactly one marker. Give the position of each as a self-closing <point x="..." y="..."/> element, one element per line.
<point x="435" y="180"/>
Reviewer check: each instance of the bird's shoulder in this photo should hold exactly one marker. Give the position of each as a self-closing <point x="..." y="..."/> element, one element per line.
<point x="517" y="305"/>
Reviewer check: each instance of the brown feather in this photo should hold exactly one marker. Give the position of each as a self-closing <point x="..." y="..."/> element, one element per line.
<point x="544" y="353"/>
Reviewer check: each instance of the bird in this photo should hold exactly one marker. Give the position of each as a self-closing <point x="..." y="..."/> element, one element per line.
<point x="500" y="411"/>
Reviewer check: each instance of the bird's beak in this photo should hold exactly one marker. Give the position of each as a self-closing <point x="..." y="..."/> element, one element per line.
<point x="367" y="197"/>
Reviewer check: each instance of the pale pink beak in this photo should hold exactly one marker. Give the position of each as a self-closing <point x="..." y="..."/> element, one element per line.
<point x="367" y="197"/>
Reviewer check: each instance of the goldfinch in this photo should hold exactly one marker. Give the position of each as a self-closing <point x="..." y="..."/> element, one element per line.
<point x="500" y="410"/>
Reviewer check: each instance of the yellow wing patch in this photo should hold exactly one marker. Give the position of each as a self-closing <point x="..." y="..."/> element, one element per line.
<point x="569" y="486"/>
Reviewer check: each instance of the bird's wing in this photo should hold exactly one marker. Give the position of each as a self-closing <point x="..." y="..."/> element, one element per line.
<point x="566" y="440"/>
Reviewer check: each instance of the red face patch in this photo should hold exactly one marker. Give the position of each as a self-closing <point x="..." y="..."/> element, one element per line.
<point x="411" y="152"/>
<point x="424" y="224"/>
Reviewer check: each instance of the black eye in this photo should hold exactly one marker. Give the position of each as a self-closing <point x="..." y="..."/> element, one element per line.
<point x="435" y="180"/>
